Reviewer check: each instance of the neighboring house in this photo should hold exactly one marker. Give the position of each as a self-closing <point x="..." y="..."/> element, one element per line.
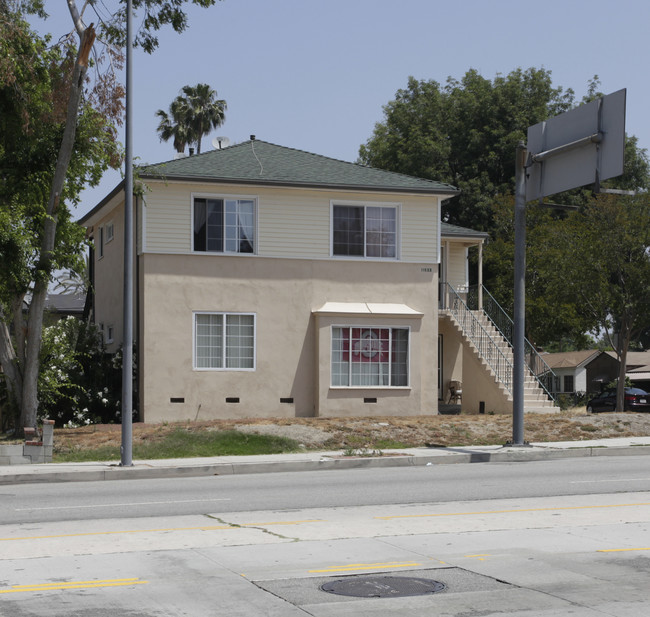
<point x="66" y="304"/>
<point x="273" y="282"/>
<point x="59" y="306"/>
<point x="581" y="372"/>
<point x="638" y="368"/>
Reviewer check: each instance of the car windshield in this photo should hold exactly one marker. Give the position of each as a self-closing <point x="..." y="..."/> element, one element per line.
<point x="637" y="391"/>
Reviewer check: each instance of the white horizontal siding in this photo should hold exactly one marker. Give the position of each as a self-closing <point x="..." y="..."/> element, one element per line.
<point x="293" y="224"/>
<point x="168" y="218"/>
<point x="420" y="230"/>
<point x="290" y="222"/>
<point x="457" y="267"/>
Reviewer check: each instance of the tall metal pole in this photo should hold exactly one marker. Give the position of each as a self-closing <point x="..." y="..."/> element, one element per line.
<point x="520" y="298"/>
<point x="127" y="341"/>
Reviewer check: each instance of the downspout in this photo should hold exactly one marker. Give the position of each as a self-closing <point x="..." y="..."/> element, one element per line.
<point x="138" y="373"/>
<point x="480" y="275"/>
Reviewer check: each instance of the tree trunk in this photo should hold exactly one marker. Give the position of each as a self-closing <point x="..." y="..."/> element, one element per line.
<point x="621" y="351"/>
<point x="31" y="367"/>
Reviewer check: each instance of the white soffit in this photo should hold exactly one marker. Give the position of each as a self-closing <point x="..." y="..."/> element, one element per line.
<point x="639" y="375"/>
<point x="367" y="308"/>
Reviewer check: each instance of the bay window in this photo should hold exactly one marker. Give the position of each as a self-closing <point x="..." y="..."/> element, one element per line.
<point x="370" y="356"/>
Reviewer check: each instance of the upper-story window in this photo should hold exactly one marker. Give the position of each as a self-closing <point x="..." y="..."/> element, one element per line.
<point x="364" y="231"/>
<point x="110" y="232"/>
<point x="224" y="225"/>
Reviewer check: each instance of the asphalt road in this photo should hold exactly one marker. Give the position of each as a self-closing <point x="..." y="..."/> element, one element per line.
<point x="409" y="485"/>
<point x="537" y="539"/>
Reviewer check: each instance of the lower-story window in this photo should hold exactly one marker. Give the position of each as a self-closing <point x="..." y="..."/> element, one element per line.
<point x="224" y="341"/>
<point x="367" y="357"/>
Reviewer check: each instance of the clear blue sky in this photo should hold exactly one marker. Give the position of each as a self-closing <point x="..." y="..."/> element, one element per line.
<point x="314" y="74"/>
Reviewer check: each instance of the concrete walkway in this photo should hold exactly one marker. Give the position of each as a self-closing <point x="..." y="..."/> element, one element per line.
<point x="312" y="461"/>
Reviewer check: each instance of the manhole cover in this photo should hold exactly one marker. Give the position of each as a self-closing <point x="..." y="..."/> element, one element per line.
<point x="383" y="587"/>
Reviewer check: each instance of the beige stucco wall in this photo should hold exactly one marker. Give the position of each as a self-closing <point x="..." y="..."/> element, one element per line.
<point x="452" y="356"/>
<point x="291" y="222"/>
<point x="461" y="364"/>
<point x="283" y="293"/>
<point x="479" y="385"/>
<point x="109" y="271"/>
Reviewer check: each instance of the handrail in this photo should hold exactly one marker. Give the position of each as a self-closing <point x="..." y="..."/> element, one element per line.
<point x="484" y="343"/>
<point x="536" y="365"/>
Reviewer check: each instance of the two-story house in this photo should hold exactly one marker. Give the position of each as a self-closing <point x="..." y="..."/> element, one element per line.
<point x="273" y="282"/>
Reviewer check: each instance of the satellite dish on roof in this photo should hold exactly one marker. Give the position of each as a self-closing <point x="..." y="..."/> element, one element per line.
<point x="220" y="142"/>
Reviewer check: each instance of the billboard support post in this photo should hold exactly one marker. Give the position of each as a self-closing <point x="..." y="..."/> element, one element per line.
<point x="520" y="298"/>
<point x="582" y="146"/>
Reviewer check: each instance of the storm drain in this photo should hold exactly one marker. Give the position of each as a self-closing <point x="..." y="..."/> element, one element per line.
<point x="413" y="585"/>
<point x="383" y="587"/>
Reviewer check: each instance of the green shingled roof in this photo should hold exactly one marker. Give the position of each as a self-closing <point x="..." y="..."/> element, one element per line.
<point x="448" y="230"/>
<point x="260" y="162"/>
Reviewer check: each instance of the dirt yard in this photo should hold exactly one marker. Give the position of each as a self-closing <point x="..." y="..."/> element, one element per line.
<point x="384" y="433"/>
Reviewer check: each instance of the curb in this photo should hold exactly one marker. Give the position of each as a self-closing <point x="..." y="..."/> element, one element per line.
<point x="445" y="456"/>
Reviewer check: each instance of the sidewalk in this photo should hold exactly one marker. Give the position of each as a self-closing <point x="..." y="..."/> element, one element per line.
<point x="312" y="461"/>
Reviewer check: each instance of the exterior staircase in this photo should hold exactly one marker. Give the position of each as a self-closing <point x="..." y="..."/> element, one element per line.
<point x="494" y="352"/>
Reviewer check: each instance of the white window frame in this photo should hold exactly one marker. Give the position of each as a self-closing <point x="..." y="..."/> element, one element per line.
<point x="224" y="197"/>
<point x="224" y="368"/>
<point x="100" y="242"/>
<point x="110" y="232"/>
<point x="367" y="326"/>
<point x="365" y="205"/>
<point x="110" y="333"/>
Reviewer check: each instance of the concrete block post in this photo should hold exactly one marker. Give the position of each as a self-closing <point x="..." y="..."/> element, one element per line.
<point x="48" y="440"/>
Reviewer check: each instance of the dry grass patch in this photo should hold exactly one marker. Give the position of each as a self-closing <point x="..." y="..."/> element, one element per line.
<point x="380" y="432"/>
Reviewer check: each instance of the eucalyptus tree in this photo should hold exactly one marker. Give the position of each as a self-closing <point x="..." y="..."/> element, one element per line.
<point x="58" y="134"/>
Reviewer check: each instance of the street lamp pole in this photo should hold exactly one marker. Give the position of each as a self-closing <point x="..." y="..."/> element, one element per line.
<point x="127" y="340"/>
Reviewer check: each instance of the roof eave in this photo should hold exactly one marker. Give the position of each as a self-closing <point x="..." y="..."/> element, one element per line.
<point x="86" y="219"/>
<point x="446" y="193"/>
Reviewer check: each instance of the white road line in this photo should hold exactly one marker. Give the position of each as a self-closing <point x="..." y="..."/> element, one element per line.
<point x="115" y="505"/>
<point x="611" y="480"/>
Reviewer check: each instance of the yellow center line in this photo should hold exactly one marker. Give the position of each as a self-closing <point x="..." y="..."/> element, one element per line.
<point x="366" y="566"/>
<point x="516" y="510"/>
<point x="314" y="520"/>
<point x="108" y="533"/>
<point x="200" y="528"/>
<point x="119" y="582"/>
<point x="621" y="550"/>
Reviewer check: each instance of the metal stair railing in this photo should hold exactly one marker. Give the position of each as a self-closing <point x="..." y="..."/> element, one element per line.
<point x="486" y="346"/>
<point x="536" y="365"/>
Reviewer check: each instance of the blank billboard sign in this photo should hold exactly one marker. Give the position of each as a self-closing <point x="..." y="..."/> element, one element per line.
<point x="602" y="119"/>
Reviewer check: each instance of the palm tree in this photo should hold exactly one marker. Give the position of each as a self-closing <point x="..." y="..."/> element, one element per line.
<point x="206" y="112"/>
<point x="191" y="115"/>
<point x="176" y="124"/>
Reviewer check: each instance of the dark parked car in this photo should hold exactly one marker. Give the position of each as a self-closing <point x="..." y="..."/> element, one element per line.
<point x="635" y="400"/>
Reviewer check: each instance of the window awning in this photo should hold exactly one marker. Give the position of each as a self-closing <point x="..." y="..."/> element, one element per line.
<point x="367" y="308"/>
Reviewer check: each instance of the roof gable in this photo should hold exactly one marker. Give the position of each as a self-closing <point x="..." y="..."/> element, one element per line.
<point x="570" y="359"/>
<point x="260" y="162"/>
